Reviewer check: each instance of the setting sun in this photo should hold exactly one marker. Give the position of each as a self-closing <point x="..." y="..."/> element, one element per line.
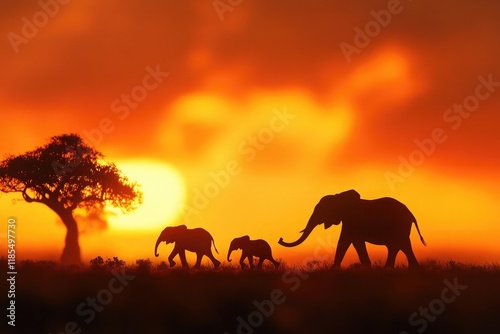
<point x="164" y="193"/>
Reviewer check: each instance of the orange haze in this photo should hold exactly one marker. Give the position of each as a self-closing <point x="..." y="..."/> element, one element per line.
<point x="240" y="125"/>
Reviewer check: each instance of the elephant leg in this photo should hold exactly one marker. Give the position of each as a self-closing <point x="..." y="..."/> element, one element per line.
<point x="276" y="263"/>
<point x="213" y="259"/>
<point x="171" y="257"/>
<point x="392" y="252"/>
<point x="259" y="265"/>
<point x="412" y="260"/>
<point x="182" y="256"/>
<point x="242" y="261"/>
<point x="342" y="247"/>
<point x="362" y="253"/>
<point x="250" y="260"/>
<point x="199" y="256"/>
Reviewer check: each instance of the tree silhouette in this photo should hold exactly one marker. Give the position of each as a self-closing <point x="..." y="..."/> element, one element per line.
<point x="67" y="174"/>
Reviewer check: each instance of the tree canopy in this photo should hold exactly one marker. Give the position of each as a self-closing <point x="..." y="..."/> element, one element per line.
<point x="66" y="174"/>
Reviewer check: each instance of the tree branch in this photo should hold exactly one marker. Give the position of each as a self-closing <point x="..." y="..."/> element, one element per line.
<point x="27" y="197"/>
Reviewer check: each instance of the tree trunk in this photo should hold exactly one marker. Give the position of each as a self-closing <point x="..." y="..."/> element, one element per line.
<point x="71" y="251"/>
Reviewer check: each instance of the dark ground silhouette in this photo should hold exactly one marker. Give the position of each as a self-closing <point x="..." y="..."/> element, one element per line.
<point x="152" y="299"/>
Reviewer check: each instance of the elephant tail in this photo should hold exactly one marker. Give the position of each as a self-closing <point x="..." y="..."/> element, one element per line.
<point x="418" y="230"/>
<point x="213" y="241"/>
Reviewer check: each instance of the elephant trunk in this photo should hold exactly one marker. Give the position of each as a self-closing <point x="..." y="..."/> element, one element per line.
<point x="305" y="233"/>
<point x="156" y="246"/>
<point x="231" y="249"/>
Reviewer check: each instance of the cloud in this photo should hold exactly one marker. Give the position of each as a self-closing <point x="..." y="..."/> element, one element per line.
<point x="397" y="88"/>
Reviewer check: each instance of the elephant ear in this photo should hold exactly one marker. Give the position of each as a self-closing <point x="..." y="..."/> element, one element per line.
<point x="241" y="241"/>
<point x="177" y="231"/>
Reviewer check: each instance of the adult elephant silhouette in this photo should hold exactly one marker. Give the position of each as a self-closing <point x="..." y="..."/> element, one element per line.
<point x="196" y="240"/>
<point x="383" y="221"/>
<point x="250" y="248"/>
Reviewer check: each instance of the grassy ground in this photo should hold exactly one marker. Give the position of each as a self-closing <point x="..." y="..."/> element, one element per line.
<point x="115" y="298"/>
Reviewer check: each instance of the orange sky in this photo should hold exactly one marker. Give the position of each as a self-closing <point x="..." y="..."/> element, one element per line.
<point x="218" y="84"/>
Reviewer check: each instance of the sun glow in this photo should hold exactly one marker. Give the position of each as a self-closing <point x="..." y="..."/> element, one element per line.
<point x="163" y="190"/>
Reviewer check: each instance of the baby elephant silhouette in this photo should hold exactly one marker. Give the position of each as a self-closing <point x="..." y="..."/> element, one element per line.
<point x="250" y="248"/>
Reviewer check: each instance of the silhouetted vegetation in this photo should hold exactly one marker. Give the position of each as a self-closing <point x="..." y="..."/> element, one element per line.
<point x="153" y="298"/>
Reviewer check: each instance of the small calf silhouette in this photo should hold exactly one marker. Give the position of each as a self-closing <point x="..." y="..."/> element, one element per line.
<point x="250" y="248"/>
